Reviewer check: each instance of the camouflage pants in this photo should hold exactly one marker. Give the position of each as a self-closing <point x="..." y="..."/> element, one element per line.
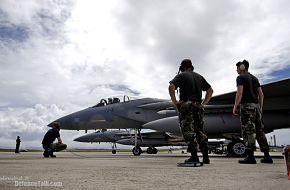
<point x="253" y="127"/>
<point x="191" y="122"/>
<point x="56" y="147"/>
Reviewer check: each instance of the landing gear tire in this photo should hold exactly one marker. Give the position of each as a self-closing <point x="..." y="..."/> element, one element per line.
<point x="236" y="148"/>
<point x="137" y="151"/>
<point x="114" y="151"/>
<point x="150" y="150"/>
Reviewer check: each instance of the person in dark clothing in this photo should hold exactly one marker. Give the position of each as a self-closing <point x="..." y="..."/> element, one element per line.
<point x="190" y="108"/>
<point x="250" y="98"/>
<point x="47" y="142"/>
<point x="17" y="144"/>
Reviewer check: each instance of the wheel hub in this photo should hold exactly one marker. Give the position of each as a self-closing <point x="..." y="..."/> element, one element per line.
<point x="239" y="148"/>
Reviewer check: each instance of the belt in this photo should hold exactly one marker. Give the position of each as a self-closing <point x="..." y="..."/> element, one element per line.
<point x="250" y="104"/>
<point x="194" y="101"/>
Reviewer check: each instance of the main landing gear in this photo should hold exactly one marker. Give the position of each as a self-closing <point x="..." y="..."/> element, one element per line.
<point x="114" y="146"/>
<point x="150" y="150"/>
<point x="137" y="151"/>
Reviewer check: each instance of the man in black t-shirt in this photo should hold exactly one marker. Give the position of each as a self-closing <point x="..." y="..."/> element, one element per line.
<point x="47" y="142"/>
<point x="191" y="108"/>
<point x="250" y="97"/>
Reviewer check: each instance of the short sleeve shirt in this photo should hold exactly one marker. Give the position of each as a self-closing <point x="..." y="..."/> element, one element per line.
<point x="191" y="85"/>
<point x="250" y="87"/>
<point x="50" y="136"/>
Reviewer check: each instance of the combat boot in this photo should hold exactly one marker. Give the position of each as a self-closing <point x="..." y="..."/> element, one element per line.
<point x="193" y="158"/>
<point x="45" y="154"/>
<point x="51" y="154"/>
<point x="250" y="159"/>
<point x="267" y="158"/>
<point x="205" y="156"/>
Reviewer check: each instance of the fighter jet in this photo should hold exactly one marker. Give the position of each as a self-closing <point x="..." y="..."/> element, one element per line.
<point x="160" y="115"/>
<point x="150" y="139"/>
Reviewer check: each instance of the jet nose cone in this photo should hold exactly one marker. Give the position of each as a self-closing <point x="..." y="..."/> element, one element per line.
<point x="59" y="122"/>
<point x="50" y="125"/>
<point x="79" y="139"/>
<point x="85" y="138"/>
<point x="62" y="122"/>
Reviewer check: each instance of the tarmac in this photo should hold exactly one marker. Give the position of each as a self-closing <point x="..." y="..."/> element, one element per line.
<point x="102" y="170"/>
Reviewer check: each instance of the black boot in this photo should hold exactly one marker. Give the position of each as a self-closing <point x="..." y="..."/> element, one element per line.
<point x="193" y="158"/>
<point x="267" y="158"/>
<point x="205" y="156"/>
<point x="51" y="154"/>
<point x="250" y="159"/>
<point x="45" y="154"/>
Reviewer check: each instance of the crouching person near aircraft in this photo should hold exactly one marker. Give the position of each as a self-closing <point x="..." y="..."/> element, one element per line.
<point x="191" y="108"/>
<point x="47" y="142"/>
<point x="250" y="97"/>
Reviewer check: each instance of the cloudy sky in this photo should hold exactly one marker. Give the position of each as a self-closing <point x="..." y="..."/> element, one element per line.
<point x="58" y="56"/>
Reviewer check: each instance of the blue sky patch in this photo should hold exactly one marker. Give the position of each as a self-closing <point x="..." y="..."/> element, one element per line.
<point x="280" y="74"/>
<point x="13" y="32"/>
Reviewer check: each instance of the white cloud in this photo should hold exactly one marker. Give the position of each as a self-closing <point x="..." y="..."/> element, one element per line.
<point x="75" y="53"/>
<point x="29" y="123"/>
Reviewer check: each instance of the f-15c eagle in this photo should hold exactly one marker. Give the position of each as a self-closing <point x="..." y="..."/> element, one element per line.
<point x="160" y="115"/>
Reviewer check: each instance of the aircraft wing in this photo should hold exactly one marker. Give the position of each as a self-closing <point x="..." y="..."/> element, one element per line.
<point x="154" y="138"/>
<point x="220" y="123"/>
<point x="276" y="95"/>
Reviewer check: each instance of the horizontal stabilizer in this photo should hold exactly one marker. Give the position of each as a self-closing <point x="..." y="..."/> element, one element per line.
<point x="274" y="90"/>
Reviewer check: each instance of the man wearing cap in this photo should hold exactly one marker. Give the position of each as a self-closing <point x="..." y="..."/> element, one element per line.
<point x="47" y="142"/>
<point x="250" y="97"/>
<point x="190" y="108"/>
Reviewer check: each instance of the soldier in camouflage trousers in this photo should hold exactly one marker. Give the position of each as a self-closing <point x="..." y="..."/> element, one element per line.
<point x="253" y="127"/>
<point x="191" y="108"/>
<point x="191" y="118"/>
<point x="250" y="98"/>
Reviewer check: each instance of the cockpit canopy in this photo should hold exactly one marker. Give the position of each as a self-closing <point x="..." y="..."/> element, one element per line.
<point x="114" y="100"/>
